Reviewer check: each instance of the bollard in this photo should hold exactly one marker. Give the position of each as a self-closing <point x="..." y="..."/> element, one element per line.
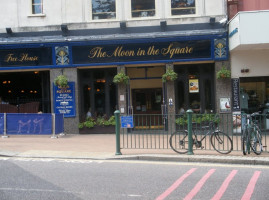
<point x="53" y="126"/>
<point x="5" y="126"/>
<point x="190" y="140"/>
<point x="244" y="127"/>
<point x="117" y="129"/>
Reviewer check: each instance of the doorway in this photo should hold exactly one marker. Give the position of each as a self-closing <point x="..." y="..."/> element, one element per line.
<point x="147" y="108"/>
<point x="147" y="101"/>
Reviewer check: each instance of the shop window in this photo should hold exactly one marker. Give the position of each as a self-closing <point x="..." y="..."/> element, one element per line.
<point x="195" y="88"/>
<point x="99" y="92"/>
<point x="208" y="97"/>
<point x="181" y="98"/>
<point x="103" y="9"/>
<point x="37" y="6"/>
<point x="143" y="8"/>
<point x="254" y="91"/>
<point x="182" y="7"/>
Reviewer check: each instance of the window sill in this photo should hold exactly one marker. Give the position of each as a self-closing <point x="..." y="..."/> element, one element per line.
<point x="37" y="15"/>
<point x="104" y="20"/>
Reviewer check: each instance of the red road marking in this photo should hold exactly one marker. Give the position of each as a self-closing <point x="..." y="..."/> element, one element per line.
<point x="224" y="185"/>
<point x="251" y="185"/>
<point x="199" y="185"/>
<point x="175" y="185"/>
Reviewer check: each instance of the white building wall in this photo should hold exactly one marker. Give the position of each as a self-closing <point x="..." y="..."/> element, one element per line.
<point x="255" y="29"/>
<point x="17" y="14"/>
<point x="8" y="14"/>
<point x="252" y="31"/>
<point x="213" y="8"/>
<point x="257" y="61"/>
<point x="234" y="33"/>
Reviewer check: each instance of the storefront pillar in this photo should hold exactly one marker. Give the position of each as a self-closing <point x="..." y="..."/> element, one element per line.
<point x="223" y="86"/>
<point x="170" y="99"/>
<point x="122" y="94"/>
<point x="70" y="123"/>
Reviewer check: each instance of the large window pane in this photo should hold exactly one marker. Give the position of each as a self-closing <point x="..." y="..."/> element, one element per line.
<point x="37" y="7"/>
<point x="183" y="7"/>
<point x="103" y="9"/>
<point x="143" y="8"/>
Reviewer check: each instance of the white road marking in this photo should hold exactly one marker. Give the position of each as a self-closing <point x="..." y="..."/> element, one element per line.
<point x="39" y="190"/>
<point x="136" y="162"/>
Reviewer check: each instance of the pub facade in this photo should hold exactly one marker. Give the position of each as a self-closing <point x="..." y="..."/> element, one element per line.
<point x="91" y="57"/>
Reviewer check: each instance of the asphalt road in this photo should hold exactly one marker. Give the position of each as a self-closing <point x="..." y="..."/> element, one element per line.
<point x="66" y="179"/>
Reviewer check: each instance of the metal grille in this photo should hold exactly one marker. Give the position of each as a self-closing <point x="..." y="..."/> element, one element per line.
<point x="154" y="131"/>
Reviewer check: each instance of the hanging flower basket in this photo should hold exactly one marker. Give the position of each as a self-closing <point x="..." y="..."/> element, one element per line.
<point x="121" y="78"/>
<point x="170" y="75"/>
<point x="61" y="81"/>
<point x="223" y="73"/>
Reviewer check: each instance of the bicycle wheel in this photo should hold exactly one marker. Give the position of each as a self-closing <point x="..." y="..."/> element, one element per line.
<point x="179" y="142"/>
<point x="221" y="142"/>
<point x="256" y="142"/>
<point x="245" y="141"/>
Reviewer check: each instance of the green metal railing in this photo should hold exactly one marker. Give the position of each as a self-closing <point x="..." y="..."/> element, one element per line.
<point x="153" y="131"/>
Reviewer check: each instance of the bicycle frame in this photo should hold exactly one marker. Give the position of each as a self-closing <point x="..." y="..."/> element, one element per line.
<point x="250" y="130"/>
<point x="209" y="132"/>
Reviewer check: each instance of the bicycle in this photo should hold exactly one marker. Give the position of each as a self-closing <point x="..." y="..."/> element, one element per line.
<point x="251" y="134"/>
<point x="219" y="140"/>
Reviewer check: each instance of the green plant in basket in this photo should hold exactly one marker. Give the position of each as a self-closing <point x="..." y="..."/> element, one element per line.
<point x="169" y="75"/>
<point x="61" y="81"/>
<point x="223" y="73"/>
<point x="121" y="77"/>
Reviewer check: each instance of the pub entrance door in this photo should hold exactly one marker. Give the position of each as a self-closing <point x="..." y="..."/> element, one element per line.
<point x="147" y="108"/>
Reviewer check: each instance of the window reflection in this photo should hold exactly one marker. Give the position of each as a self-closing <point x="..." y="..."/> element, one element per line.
<point x="103" y="9"/>
<point x="143" y="8"/>
<point x="37" y="6"/>
<point x="183" y="7"/>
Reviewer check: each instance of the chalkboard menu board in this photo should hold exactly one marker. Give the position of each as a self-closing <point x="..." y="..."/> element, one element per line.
<point x="235" y="94"/>
<point x="64" y="100"/>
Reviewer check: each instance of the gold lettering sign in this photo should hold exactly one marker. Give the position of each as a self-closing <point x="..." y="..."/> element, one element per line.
<point x="171" y="51"/>
<point x="119" y="51"/>
<point x="24" y="57"/>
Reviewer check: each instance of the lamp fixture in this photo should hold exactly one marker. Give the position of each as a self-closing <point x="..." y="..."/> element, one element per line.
<point x="64" y="28"/>
<point x="244" y="70"/>
<point x="8" y="30"/>
<point x="122" y="25"/>
<point x="163" y="24"/>
<point x="212" y="20"/>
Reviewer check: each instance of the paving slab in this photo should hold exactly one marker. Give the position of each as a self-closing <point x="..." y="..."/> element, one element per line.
<point x="103" y="147"/>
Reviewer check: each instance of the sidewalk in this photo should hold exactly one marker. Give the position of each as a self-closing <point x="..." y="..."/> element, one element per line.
<point x="103" y="147"/>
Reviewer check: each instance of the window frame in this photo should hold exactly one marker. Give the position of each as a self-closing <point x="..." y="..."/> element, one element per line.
<point x="105" y="19"/>
<point x="182" y="15"/>
<point x="33" y="4"/>
<point x="144" y="11"/>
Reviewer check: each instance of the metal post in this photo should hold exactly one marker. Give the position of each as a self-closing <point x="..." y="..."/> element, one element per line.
<point x="53" y="126"/>
<point x="117" y="129"/>
<point x="62" y="133"/>
<point x="5" y="126"/>
<point x="190" y="141"/>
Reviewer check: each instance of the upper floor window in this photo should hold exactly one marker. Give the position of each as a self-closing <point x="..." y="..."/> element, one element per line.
<point x="37" y="6"/>
<point x="103" y="9"/>
<point x="183" y="7"/>
<point x="143" y="8"/>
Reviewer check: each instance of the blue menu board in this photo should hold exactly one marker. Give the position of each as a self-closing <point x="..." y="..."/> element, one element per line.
<point x="64" y="100"/>
<point x="127" y="121"/>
